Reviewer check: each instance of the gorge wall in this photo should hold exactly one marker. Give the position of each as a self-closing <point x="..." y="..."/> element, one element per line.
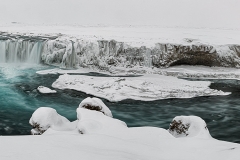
<point x="72" y="52"/>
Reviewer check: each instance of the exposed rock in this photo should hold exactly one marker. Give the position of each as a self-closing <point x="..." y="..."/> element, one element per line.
<point x="95" y="104"/>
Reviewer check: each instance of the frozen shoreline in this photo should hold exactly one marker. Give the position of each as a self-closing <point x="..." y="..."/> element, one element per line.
<point x="96" y="135"/>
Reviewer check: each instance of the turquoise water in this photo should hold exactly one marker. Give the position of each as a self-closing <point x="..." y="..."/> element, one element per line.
<point x="19" y="98"/>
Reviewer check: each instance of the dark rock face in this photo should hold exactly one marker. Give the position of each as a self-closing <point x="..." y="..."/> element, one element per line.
<point x="165" y="55"/>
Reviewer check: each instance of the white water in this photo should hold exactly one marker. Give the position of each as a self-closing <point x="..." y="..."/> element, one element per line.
<point x="2" y="52"/>
<point x="18" y="51"/>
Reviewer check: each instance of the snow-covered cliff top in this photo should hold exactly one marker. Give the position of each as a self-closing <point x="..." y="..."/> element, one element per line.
<point x="134" y="35"/>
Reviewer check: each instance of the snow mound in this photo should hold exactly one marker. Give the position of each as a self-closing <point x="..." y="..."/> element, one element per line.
<point x="95" y="104"/>
<point x="189" y="126"/>
<point x="94" y="122"/>
<point x="43" y="89"/>
<point x="44" y="118"/>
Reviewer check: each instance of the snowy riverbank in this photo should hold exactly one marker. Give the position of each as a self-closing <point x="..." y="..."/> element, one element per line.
<point x="97" y="136"/>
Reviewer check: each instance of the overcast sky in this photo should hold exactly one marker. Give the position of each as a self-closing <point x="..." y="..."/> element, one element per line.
<point x="193" y="13"/>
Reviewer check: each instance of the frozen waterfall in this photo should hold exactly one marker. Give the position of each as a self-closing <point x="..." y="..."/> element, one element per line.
<point x="71" y="52"/>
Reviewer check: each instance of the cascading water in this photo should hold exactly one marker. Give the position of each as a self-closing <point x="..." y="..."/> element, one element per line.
<point x="35" y="54"/>
<point x="22" y="48"/>
<point x="20" y="51"/>
<point x="2" y="52"/>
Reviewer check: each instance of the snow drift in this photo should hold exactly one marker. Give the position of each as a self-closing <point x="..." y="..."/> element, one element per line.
<point x="96" y="135"/>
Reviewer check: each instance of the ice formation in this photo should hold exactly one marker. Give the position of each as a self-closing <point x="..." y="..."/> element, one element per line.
<point x="146" y="88"/>
<point x="43" y="89"/>
<point x="73" y="52"/>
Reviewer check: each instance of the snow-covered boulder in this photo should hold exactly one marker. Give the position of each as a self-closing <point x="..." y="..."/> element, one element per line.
<point x="189" y="126"/>
<point x="95" y="104"/>
<point x="44" y="118"/>
<point x="94" y="122"/>
<point x="43" y="89"/>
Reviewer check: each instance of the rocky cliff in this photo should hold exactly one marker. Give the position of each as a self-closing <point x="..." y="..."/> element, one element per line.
<point x="72" y="52"/>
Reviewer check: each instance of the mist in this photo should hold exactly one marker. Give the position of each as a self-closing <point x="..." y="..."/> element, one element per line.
<point x="186" y="13"/>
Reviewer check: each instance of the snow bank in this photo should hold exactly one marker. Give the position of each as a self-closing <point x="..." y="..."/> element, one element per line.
<point x="98" y="136"/>
<point x="189" y="126"/>
<point x="43" y="89"/>
<point x="147" y="87"/>
<point x="95" y="104"/>
<point x="44" y="118"/>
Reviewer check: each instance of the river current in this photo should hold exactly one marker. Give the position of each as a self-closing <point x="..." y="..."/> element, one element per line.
<point x="19" y="98"/>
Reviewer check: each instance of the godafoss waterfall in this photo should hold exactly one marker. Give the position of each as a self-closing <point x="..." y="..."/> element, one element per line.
<point x="22" y="55"/>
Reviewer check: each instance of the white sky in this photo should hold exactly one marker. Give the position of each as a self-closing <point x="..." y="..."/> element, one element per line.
<point x="193" y="13"/>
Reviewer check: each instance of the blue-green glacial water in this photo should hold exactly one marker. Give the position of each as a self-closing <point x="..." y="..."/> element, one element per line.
<point x="19" y="98"/>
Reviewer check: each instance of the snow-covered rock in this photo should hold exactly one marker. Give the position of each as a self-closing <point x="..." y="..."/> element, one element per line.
<point x="91" y="121"/>
<point x="95" y="104"/>
<point x="43" y="89"/>
<point x="44" y="118"/>
<point x="95" y="135"/>
<point x="189" y="126"/>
